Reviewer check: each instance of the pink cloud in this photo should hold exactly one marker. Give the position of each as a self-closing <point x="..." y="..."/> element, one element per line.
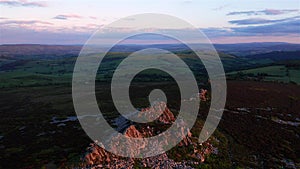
<point x="93" y="17"/>
<point x="24" y="22"/>
<point x="249" y="39"/>
<point x="23" y="3"/>
<point x="265" y="12"/>
<point x="67" y="16"/>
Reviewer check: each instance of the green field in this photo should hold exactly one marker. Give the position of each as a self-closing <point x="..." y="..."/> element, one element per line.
<point x="276" y="73"/>
<point x="36" y="73"/>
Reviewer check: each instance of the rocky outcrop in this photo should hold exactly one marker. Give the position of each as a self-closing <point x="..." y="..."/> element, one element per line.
<point x="97" y="157"/>
<point x="187" y="139"/>
<point x="203" y="95"/>
<point x="160" y="110"/>
<point x="103" y="159"/>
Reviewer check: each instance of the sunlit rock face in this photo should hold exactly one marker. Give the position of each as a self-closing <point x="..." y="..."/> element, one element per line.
<point x="97" y="157"/>
<point x="133" y="132"/>
<point x="159" y="108"/>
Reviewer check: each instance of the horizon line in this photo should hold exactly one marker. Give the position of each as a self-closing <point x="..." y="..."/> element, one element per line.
<point x="52" y="44"/>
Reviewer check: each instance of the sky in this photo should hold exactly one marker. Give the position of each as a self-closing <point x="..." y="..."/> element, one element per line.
<point x="222" y="21"/>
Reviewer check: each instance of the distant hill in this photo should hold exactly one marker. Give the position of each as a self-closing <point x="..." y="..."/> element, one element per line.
<point x="32" y="50"/>
<point x="243" y="49"/>
<point x="277" y="55"/>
